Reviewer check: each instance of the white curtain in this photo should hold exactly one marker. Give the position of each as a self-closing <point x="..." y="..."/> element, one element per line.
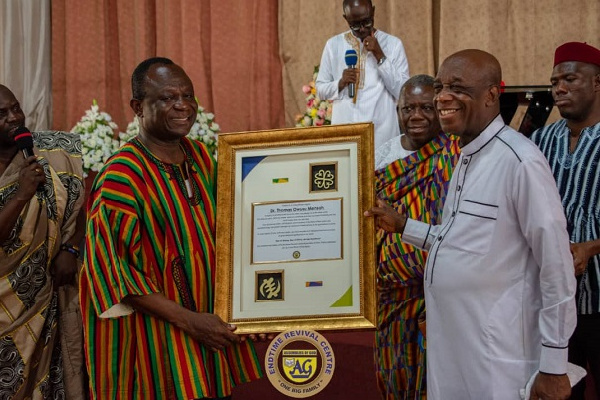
<point x="25" y="57"/>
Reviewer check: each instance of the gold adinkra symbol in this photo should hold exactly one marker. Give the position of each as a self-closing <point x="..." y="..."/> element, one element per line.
<point x="270" y="288"/>
<point x="324" y="179"/>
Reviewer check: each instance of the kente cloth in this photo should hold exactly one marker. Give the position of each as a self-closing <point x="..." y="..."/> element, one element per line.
<point x="31" y="360"/>
<point x="147" y="235"/>
<point x="415" y="186"/>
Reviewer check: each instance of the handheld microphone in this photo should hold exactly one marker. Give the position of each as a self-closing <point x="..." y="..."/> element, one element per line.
<point x="351" y="60"/>
<point x="24" y="141"/>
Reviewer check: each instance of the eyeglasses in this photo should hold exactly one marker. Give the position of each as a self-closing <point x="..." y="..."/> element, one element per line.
<point x="365" y="23"/>
<point x="458" y="89"/>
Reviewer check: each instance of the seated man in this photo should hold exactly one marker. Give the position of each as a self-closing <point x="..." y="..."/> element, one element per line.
<point x="40" y="200"/>
<point x="414" y="170"/>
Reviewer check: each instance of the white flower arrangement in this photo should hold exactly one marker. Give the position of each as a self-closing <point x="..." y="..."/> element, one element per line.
<point x="205" y="130"/>
<point x="133" y="128"/>
<point x="98" y="141"/>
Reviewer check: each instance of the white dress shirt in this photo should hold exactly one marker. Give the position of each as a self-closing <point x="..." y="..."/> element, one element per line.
<point x="378" y="89"/>
<point x="390" y="151"/>
<point x="499" y="280"/>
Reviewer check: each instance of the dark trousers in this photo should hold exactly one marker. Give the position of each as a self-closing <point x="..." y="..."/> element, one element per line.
<point x="584" y="350"/>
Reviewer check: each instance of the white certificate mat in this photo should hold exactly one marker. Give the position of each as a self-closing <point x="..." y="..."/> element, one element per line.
<point x="291" y="231"/>
<point x="317" y="287"/>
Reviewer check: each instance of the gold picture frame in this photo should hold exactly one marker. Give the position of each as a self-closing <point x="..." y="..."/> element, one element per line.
<point x="267" y="210"/>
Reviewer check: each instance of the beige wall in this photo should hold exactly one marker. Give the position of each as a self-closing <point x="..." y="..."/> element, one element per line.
<point x="521" y="33"/>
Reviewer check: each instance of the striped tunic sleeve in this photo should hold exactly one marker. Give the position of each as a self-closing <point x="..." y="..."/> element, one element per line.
<point x="113" y="244"/>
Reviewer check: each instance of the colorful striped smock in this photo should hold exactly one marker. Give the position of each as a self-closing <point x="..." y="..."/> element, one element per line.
<point x="146" y="235"/>
<point x="416" y="187"/>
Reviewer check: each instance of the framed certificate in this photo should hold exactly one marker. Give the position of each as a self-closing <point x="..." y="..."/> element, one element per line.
<point x="293" y="247"/>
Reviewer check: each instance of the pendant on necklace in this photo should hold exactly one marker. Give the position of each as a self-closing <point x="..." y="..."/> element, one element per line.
<point x="188" y="186"/>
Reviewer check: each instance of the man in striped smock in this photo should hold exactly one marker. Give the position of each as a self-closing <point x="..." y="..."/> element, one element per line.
<point x="148" y="289"/>
<point x="572" y="147"/>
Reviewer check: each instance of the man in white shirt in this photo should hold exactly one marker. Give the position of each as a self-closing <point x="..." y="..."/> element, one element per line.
<point x="380" y="72"/>
<point x="499" y="284"/>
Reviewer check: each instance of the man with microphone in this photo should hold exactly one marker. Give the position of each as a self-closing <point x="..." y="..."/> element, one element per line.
<point x="362" y="71"/>
<point x="41" y="195"/>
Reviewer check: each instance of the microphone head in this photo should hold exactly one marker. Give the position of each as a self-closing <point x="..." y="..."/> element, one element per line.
<point x="351" y="57"/>
<point x="23" y="138"/>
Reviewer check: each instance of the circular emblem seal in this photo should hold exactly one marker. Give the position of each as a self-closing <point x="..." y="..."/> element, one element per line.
<point x="296" y="254"/>
<point x="299" y="362"/>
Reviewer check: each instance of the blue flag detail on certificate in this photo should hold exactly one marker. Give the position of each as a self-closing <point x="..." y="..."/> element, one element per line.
<point x="314" y="283"/>
<point x="248" y="164"/>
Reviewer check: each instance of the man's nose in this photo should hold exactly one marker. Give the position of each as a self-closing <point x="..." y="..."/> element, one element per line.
<point x="417" y="113"/>
<point x="180" y="102"/>
<point x="442" y="95"/>
<point x="13" y="116"/>
<point x="560" y="87"/>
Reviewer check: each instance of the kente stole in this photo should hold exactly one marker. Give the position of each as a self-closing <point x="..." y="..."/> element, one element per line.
<point x="416" y="187"/>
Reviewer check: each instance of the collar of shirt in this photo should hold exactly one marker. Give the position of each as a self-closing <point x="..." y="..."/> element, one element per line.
<point x="484" y="137"/>
<point x="589" y="130"/>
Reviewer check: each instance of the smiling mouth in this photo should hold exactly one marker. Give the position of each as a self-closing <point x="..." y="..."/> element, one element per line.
<point x="417" y="128"/>
<point x="443" y="113"/>
<point x="11" y="132"/>
<point x="185" y="119"/>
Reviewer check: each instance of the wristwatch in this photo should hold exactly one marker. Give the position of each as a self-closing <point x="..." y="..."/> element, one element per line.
<point x="381" y="60"/>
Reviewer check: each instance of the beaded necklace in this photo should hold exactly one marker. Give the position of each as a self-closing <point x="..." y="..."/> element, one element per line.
<point x="182" y="173"/>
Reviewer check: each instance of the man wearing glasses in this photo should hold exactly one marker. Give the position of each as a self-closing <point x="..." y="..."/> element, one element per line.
<point x="377" y="77"/>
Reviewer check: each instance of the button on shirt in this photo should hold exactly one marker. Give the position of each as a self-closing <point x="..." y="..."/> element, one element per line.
<point x="499" y="282"/>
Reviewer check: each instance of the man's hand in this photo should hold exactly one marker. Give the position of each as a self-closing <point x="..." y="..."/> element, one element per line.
<point x="550" y="387"/>
<point x="210" y="330"/>
<point x="350" y="75"/>
<point x="30" y="176"/>
<point x="64" y="269"/>
<point x="372" y="44"/>
<point x="386" y="217"/>
<point x="261" y="337"/>
<point x="581" y="257"/>
<point x="422" y="323"/>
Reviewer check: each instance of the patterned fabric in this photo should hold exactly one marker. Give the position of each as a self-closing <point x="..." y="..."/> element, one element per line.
<point x="576" y="175"/>
<point x="415" y="186"/>
<point x="145" y="235"/>
<point x="30" y="353"/>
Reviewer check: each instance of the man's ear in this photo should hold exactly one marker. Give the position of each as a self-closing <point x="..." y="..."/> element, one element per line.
<point x="492" y="95"/>
<point x="136" y="106"/>
<point x="596" y="82"/>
